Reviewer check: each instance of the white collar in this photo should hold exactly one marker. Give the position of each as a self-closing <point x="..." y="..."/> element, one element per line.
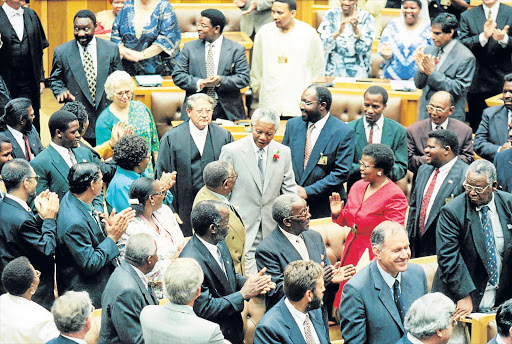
<point x="448" y="166"/>
<point x="288" y="235"/>
<point x="11" y="11"/>
<point x="413" y="339"/>
<point x="92" y="43"/>
<point x="301" y="317"/>
<point x="216" y="44"/>
<point x="18" y="135"/>
<point x="210" y="247"/>
<point x="494" y="8"/>
<point x="390" y="280"/>
<point x="77" y="340"/>
<point x="443" y="125"/>
<point x="447" y="48"/>
<point x="20" y="201"/>
<point x="140" y="274"/>
<point x="379" y="124"/>
<point x="60" y="149"/>
<point x="491" y="205"/>
<point x="256" y="148"/>
<point x="319" y="125"/>
<point x="195" y="131"/>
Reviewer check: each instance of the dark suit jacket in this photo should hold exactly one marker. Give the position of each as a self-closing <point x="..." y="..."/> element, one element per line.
<point x="336" y="142"/>
<point x="492" y="132"/>
<point x="417" y="137"/>
<point x="233" y="69"/>
<point x="393" y="135"/>
<point x="279" y="327"/>
<point x="53" y="172"/>
<point x="220" y="300"/>
<point x="61" y="340"/>
<point x="84" y="254"/>
<point x="492" y="61"/>
<point x="33" y="139"/>
<point x="503" y="164"/>
<point x="404" y="340"/>
<point x="367" y="310"/>
<point x="454" y="76"/>
<point x="461" y="251"/>
<point x="23" y="234"/>
<point x="425" y="245"/>
<point x="175" y="155"/>
<point x="122" y="301"/>
<point x="68" y="74"/>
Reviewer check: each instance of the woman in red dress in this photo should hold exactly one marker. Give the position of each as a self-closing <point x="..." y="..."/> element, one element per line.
<point x="371" y="200"/>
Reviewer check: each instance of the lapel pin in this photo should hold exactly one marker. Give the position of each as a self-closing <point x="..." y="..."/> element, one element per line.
<point x="450" y="181"/>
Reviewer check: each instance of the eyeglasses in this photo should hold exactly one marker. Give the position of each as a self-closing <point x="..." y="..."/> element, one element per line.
<point x="202" y="26"/>
<point x="159" y="193"/>
<point x="234" y="177"/>
<point x="203" y="111"/>
<point x="478" y="190"/>
<point x="120" y="94"/>
<point x="363" y="165"/>
<point x="303" y="214"/>
<point x="431" y="108"/>
<point x="305" y="103"/>
<point x="35" y="177"/>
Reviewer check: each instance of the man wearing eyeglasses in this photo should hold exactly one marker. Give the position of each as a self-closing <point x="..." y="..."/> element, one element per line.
<point x="474" y="244"/>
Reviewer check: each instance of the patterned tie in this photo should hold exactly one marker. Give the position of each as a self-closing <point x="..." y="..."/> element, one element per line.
<point x="489" y="15"/>
<point x="309" y="145"/>
<point x="221" y="261"/>
<point x="150" y="291"/>
<point x="492" y="264"/>
<point x="438" y="57"/>
<point x="90" y="74"/>
<point x="27" y="148"/>
<point x="308" y="334"/>
<point x="210" y="71"/>
<point x="397" y="296"/>
<point x="260" y="162"/>
<point x="72" y="157"/>
<point x="370" y="136"/>
<point x="426" y="200"/>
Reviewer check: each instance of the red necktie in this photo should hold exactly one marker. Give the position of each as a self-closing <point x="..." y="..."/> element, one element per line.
<point x="426" y="201"/>
<point x="370" y="136"/>
<point x="27" y="148"/>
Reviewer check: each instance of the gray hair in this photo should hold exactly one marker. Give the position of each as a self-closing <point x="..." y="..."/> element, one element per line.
<point x="115" y="80"/>
<point x="139" y="247"/>
<point x="192" y="99"/>
<point x="181" y="280"/>
<point x="71" y="310"/>
<point x="282" y="207"/>
<point x="266" y="115"/>
<point x="382" y="230"/>
<point x="215" y="173"/>
<point x="483" y="167"/>
<point x="14" y="172"/>
<point x="429" y="313"/>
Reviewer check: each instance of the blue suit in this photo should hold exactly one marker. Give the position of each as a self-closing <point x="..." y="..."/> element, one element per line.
<point x="278" y="326"/>
<point x="336" y="143"/>
<point x="503" y="164"/>
<point x="492" y="132"/>
<point x="33" y="140"/>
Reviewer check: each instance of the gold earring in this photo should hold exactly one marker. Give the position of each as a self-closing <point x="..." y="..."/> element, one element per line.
<point x="379" y="173"/>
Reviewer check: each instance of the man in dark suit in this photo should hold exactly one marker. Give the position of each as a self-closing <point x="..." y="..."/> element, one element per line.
<point x="446" y="66"/>
<point x="485" y="30"/>
<point x="86" y="248"/>
<point x="296" y="319"/>
<point x="18" y="120"/>
<point x="127" y="292"/>
<point x="21" y="56"/>
<point x="375" y="301"/>
<point x="473" y="271"/>
<point x="437" y="182"/>
<point x="81" y="67"/>
<point x="22" y="233"/>
<point x="373" y="127"/>
<point x="439" y="109"/>
<point x="214" y="65"/>
<point x="322" y="149"/>
<point x="187" y="149"/>
<point x="504" y="324"/>
<point x="223" y="290"/>
<point x="492" y="134"/>
<point x="503" y="164"/>
<point x="5" y="156"/>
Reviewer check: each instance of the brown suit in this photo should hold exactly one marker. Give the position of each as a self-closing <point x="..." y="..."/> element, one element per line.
<point x="236" y="236"/>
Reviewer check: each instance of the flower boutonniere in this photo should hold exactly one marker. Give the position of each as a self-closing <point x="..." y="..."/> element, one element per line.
<point x="276" y="156"/>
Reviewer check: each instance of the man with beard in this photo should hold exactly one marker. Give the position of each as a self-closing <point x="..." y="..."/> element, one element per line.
<point x="18" y="118"/>
<point x="297" y="317"/>
<point x="322" y="149"/>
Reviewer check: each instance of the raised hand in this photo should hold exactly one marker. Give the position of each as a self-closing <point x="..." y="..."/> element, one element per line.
<point x="116" y="224"/>
<point x="336" y="204"/>
<point x="498" y="34"/>
<point x="257" y="284"/>
<point x="47" y="205"/>
<point x="386" y="51"/>
<point x="489" y="27"/>
<point x="343" y="273"/>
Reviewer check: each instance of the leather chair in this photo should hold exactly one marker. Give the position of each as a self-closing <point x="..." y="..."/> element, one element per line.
<point x="166" y="107"/>
<point x="349" y="107"/>
<point x="188" y="19"/>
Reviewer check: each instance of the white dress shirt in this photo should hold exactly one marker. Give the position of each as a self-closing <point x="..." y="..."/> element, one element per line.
<point x="315" y="133"/>
<point x="216" y="48"/>
<point x="199" y="136"/>
<point x="494" y="14"/>
<point x="76" y="340"/>
<point x="390" y="280"/>
<point x="377" y="129"/>
<point x="15" y="18"/>
<point x="299" y="318"/>
<point x="297" y="241"/>
<point x="214" y="251"/>
<point x="91" y="48"/>
<point x="142" y="277"/>
<point x="64" y="153"/>
<point x="443" y="125"/>
<point x="18" y="136"/>
<point x="443" y="173"/>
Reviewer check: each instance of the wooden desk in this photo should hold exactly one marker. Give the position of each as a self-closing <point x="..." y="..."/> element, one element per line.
<point x="494" y="101"/>
<point x="237" y="36"/>
<point x="479" y="326"/>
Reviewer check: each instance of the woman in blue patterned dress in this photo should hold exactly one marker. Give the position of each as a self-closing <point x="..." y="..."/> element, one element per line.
<point x="148" y="35"/>
<point x="400" y="39"/>
<point x="347" y="34"/>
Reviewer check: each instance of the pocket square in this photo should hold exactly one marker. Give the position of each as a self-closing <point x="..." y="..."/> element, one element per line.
<point x="509" y="226"/>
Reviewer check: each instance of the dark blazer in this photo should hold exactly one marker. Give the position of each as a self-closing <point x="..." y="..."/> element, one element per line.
<point x="84" y="255"/>
<point x="220" y="300"/>
<point x="393" y="135"/>
<point x="68" y="74"/>
<point x="492" y="61"/>
<point x="417" y="137"/>
<point x="23" y="234"/>
<point x="233" y="70"/>
<point x="53" y="172"/>
<point x="33" y="140"/>
<point x="461" y="251"/>
<point x="122" y="301"/>
<point x="175" y="155"/>
<point x="492" y="132"/>
<point x="336" y="142"/>
<point x="454" y="76"/>
<point x="61" y="340"/>
<point x="404" y="340"/>
<point x="367" y="310"/>
<point x="503" y="164"/>
<point x="425" y="245"/>
<point x="279" y="327"/>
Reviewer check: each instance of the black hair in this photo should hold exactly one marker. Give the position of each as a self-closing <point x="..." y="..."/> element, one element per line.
<point x="378" y="90"/>
<point x="323" y="95"/>
<point x="86" y="14"/>
<point x="130" y="151"/>
<point x="17" y="276"/>
<point x="292" y="4"/>
<point x="60" y="120"/>
<point x="446" y="138"/>
<point x="78" y="109"/>
<point x="216" y="17"/>
<point x="205" y="214"/>
<point x="81" y="176"/>
<point x="15" y="110"/>
<point x="382" y="155"/>
<point x="14" y="172"/>
<point x="447" y="22"/>
<point x="140" y="190"/>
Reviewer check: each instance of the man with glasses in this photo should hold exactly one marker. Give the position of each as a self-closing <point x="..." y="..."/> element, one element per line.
<point x="24" y="234"/>
<point x="474" y="244"/>
<point x="440" y="107"/>
<point x="225" y="63"/>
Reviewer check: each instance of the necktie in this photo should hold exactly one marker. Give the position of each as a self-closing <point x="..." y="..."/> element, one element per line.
<point x="309" y="146"/>
<point x="150" y="290"/>
<point x="438" y="127"/>
<point x="90" y="74"/>
<point x="438" y="57"/>
<point x="260" y="162"/>
<point x="397" y="296"/>
<point x="210" y="71"/>
<point x="426" y="200"/>
<point x="370" y="136"/>
<point x="308" y="334"/>
<point x="492" y="264"/>
<point x="72" y="157"/>
<point x="303" y="250"/>
<point x="489" y="14"/>
<point x="27" y="148"/>
<point x="221" y="261"/>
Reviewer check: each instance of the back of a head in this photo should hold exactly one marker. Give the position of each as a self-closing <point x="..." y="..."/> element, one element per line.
<point x="60" y="120"/>
<point x="299" y="277"/>
<point x="139" y="248"/>
<point x="181" y="280"/>
<point x="17" y="276"/>
<point x="81" y="176"/>
<point x="504" y="319"/>
<point x="204" y="214"/>
<point x="71" y="310"/>
<point x="429" y="313"/>
<point x="130" y="151"/>
<point x="14" y="172"/>
<point x="215" y="173"/>
<point x="78" y="109"/>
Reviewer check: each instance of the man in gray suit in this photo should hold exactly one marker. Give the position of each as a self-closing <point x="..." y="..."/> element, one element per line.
<point x="446" y="66"/>
<point x="176" y="321"/>
<point x="255" y="14"/>
<point x="265" y="171"/>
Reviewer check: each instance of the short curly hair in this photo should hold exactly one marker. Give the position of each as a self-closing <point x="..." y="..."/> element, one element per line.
<point x="17" y="276"/>
<point x="130" y="151"/>
<point x="78" y="109"/>
<point x="383" y="157"/>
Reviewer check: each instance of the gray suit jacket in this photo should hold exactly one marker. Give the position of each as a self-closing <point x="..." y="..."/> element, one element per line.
<point x="454" y="75"/>
<point x="492" y="132"/>
<point x="177" y="324"/>
<point x="251" y="23"/>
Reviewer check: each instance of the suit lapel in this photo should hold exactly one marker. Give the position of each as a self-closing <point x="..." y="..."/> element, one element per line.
<point x="501" y="18"/>
<point x="58" y="162"/>
<point x="201" y="57"/>
<point x="506" y="222"/>
<point x="215" y="137"/>
<point x="448" y="62"/>
<point x="97" y="232"/>
<point x="298" y="144"/>
<point x="313" y="253"/>
<point x="289" y="322"/>
<point x="102" y="72"/>
<point x="16" y="149"/>
<point x="225" y="52"/>
<point x="250" y="162"/>
<point x="271" y="164"/>
<point x="318" y="324"/>
<point x="320" y="144"/>
<point x="291" y="253"/>
<point x="500" y="123"/>
<point x="77" y="69"/>
<point x="150" y="300"/>
<point x="388" y="136"/>
<point x="213" y="265"/>
<point x="361" y="135"/>
<point x="477" y="231"/>
<point x="385" y="295"/>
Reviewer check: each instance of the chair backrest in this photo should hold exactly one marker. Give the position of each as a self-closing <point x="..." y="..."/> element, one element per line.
<point x="94" y="333"/>
<point x="429" y="264"/>
<point x="188" y="19"/>
<point x="166" y="107"/>
<point x="349" y="107"/>
<point x="333" y="235"/>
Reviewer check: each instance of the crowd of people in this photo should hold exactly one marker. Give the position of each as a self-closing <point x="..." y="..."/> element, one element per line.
<point x="110" y="216"/>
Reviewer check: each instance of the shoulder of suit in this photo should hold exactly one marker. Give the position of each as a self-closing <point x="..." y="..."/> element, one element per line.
<point x="394" y="123"/>
<point x="505" y="196"/>
<point x="105" y="44"/>
<point x="417" y="125"/>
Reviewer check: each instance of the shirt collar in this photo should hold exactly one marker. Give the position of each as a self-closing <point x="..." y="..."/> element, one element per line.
<point x="76" y="340"/>
<point x="195" y="131"/>
<point x="87" y="206"/>
<point x="296" y="314"/>
<point x="210" y="247"/>
<point x="448" y="166"/>
<point x="256" y="148"/>
<point x="290" y="236"/>
<point x="390" y="280"/>
<point x="378" y="124"/>
<point x="130" y="174"/>
<point x="491" y="205"/>
<point x="499" y="339"/>
<point x="92" y="43"/>
<point x="443" y="125"/>
<point x="319" y="125"/>
<point x="222" y="197"/>
<point x="494" y="8"/>
<point x="217" y="43"/>
<point x="11" y="11"/>
<point x="447" y="48"/>
<point x="140" y="274"/>
<point x="413" y="339"/>
<point x="18" y="135"/>
<point x="20" y="201"/>
<point x="60" y="149"/>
